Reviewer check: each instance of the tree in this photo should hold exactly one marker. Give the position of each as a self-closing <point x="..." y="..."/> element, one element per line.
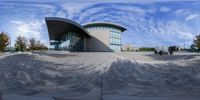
<point x="197" y="42"/>
<point x="192" y="47"/>
<point x="4" y="41"/>
<point x="32" y="44"/>
<point x="36" y="45"/>
<point x="20" y="43"/>
<point x="40" y="46"/>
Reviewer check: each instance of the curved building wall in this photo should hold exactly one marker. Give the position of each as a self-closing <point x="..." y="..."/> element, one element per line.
<point x="65" y="34"/>
<point x="104" y="38"/>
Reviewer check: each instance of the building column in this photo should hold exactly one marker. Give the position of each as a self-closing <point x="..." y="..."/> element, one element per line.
<point x="85" y="44"/>
<point x="57" y="45"/>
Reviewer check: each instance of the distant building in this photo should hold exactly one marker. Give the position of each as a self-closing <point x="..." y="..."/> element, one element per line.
<point x="175" y="48"/>
<point x="68" y="35"/>
<point x="9" y="49"/>
<point x="129" y="48"/>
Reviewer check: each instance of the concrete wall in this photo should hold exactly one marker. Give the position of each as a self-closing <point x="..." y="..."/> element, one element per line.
<point x="99" y="42"/>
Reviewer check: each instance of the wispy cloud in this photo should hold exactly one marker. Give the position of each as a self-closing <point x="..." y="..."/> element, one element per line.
<point x="189" y="15"/>
<point x="165" y="9"/>
<point x="105" y="1"/>
<point x="29" y="29"/>
<point x="148" y="23"/>
<point x="192" y="17"/>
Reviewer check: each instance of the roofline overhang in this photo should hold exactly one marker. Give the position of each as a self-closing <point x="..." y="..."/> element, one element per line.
<point x="86" y="33"/>
<point x="122" y="28"/>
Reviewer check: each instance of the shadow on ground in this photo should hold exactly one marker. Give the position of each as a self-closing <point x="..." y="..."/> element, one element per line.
<point x="133" y="79"/>
<point x="172" y="57"/>
<point x="26" y="75"/>
<point x="56" y="54"/>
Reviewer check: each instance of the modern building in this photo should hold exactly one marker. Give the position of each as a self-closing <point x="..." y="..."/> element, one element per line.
<point x="68" y="35"/>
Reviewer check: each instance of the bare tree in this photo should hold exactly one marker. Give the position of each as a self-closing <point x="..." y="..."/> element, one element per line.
<point x="36" y="45"/>
<point x="32" y="44"/>
<point x="21" y="43"/>
<point x="4" y="41"/>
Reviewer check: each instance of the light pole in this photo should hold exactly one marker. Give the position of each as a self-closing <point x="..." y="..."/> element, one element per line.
<point x="10" y="42"/>
<point x="184" y="43"/>
<point x="9" y="47"/>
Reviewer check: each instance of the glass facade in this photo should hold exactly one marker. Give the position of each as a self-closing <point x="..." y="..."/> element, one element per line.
<point x="103" y="28"/>
<point x="114" y="36"/>
<point x="115" y="40"/>
<point x="71" y="42"/>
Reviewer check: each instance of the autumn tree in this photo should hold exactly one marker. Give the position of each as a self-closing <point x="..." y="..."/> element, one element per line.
<point x="36" y="45"/>
<point x="20" y="43"/>
<point x="4" y="41"/>
<point x="40" y="46"/>
<point x="197" y="42"/>
<point x="32" y="44"/>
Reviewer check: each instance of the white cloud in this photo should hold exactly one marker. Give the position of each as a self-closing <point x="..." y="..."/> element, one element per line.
<point x="156" y="32"/>
<point x="189" y="15"/>
<point x="141" y="31"/>
<point x="16" y="22"/>
<point x="151" y="10"/>
<point x="29" y="29"/>
<point x="144" y="29"/>
<point x="73" y="9"/>
<point x="112" y="1"/>
<point x="182" y="11"/>
<point x="174" y="32"/>
<point x="132" y="9"/>
<point x="165" y="9"/>
<point x="105" y="10"/>
<point x="192" y="17"/>
<point x="61" y="14"/>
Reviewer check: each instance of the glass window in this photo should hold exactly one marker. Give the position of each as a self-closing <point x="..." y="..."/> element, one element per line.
<point x="115" y="39"/>
<point x="115" y="34"/>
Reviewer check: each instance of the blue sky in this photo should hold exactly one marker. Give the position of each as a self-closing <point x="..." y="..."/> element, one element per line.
<point x="148" y="22"/>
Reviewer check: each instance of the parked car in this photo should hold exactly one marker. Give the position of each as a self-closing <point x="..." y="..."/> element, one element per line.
<point x="161" y="50"/>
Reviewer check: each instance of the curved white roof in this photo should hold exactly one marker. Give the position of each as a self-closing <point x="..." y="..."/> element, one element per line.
<point x="104" y="24"/>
